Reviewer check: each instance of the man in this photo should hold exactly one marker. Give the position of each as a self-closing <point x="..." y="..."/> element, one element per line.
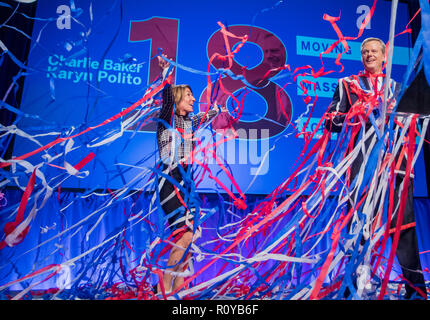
<point x="358" y="100"/>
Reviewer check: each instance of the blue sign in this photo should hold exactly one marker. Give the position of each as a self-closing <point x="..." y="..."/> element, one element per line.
<point x="97" y="59"/>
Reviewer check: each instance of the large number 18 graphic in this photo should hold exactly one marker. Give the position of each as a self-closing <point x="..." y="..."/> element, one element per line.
<point x="163" y="33"/>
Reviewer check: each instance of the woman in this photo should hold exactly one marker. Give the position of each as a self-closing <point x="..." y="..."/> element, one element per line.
<point x="175" y="144"/>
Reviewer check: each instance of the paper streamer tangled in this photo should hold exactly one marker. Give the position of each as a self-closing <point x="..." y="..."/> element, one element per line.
<point x="291" y="244"/>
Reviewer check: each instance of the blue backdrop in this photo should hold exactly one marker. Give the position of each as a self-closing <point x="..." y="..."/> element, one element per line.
<point x="91" y="60"/>
<point x="88" y="68"/>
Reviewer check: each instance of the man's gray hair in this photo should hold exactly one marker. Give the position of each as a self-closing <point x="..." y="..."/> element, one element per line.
<point x="382" y="43"/>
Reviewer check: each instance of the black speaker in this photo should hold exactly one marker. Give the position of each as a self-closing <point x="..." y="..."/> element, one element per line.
<point x="416" y="98"/>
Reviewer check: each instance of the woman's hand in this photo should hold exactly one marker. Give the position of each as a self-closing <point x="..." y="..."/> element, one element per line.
<point x="215" y="107"/>
<point x="218" y="109"/>
<point x="164" y="65"/>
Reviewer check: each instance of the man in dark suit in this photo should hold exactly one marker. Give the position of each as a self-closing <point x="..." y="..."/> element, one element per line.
<point x="358" y="100"/>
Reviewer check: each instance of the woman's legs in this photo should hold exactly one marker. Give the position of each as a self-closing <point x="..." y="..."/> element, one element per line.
<point x="169" y="198"/>
<point x="175" y="256"/>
